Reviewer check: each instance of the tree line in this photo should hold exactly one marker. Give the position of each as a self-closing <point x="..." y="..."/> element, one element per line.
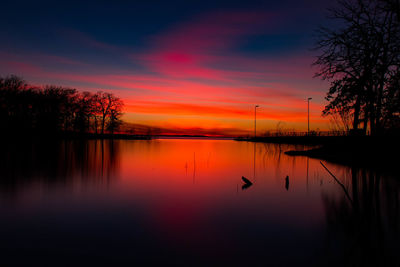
<point x="53" y="109"/>
<point x="361" y="60"/>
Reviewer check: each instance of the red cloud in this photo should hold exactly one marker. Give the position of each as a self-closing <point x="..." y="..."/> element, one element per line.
<point x="293" y="114"/>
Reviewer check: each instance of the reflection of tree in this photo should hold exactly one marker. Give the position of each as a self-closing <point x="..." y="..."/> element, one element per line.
<point x="68" y="162"/>
<point x="364" y="232"/>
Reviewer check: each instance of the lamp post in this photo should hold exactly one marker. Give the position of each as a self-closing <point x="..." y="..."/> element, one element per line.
<point x="255" y="120"/>
<point x="308" y="115"/>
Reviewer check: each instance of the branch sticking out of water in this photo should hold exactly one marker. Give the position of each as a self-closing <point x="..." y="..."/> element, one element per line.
<point x="337" y="180"/>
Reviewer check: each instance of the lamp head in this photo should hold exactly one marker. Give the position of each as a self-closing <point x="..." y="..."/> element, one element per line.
<point x="309" y="98"/>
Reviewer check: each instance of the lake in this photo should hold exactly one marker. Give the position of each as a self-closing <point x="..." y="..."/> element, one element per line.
<point x="183" y="202"/>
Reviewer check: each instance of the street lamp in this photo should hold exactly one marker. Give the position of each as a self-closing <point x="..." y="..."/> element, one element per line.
<point x="308" y="115"/>
<point x="255" y="120"/>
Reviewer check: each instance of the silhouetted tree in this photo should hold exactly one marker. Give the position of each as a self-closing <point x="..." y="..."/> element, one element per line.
<point x="54" y="109"/>
<point x="391" y="113"/>
<point x="109" y="107"/>
<point x="83" y="112"/>
<point x="15" y="104"/>
<point x="115" y="114"/>
<point x="392" y="5"/>
<point x="361" y="59"/>
<point x="103" y="106"/>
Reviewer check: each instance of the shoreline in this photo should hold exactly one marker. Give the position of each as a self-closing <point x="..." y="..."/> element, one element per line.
<point x="376" y="152"/>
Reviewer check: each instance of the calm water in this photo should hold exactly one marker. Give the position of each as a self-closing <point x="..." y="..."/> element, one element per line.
<point x="181" y="202"/>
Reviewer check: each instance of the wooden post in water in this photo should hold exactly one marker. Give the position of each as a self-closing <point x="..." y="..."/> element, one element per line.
<point x="308" y="115"/>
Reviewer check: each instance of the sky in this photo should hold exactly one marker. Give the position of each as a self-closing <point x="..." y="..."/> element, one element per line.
<point x="194" y="67"/>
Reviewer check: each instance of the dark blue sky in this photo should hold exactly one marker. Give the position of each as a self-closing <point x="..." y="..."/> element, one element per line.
<point x="35" y="25"/>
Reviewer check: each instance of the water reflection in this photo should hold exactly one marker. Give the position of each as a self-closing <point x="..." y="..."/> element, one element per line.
<point x="363" y="225"/>
<point x="179" y="202"/>
<point x="69" y="163"/>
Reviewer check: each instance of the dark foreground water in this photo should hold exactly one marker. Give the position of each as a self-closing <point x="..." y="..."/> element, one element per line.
<point x="181" y="202"/>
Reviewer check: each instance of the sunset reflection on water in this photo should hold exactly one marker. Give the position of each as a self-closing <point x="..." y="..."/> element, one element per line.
<point x="180" y="201"/>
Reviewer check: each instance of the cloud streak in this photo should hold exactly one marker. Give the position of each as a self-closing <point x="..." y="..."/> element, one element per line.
<point x="195" y="68"/>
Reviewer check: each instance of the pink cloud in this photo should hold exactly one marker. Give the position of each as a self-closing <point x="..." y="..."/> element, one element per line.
<point x="187" y="51"/>
<point x="17" y="67"/>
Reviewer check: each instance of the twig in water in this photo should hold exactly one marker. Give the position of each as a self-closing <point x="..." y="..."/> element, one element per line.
<point x="337" y="180"/>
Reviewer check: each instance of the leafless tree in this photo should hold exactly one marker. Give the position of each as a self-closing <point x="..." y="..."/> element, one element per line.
<point x="54" y="109"/>
<point x="109" y="107"/>
<point x="360" y="59"/>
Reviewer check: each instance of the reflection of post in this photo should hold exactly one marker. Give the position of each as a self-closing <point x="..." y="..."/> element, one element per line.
<point x="254" y="166"/>
<point x="287" y="183"/>
<point x="354" y="183"/>
<point x="186" y="167"/>
<point x="307" y="173"/>
<point x="194" y="166"/>
<point x="308" y="115"/>
<point x="102" y="158"/>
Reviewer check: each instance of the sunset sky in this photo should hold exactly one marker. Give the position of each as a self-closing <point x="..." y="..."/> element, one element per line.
<point x="187" y="66"/>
